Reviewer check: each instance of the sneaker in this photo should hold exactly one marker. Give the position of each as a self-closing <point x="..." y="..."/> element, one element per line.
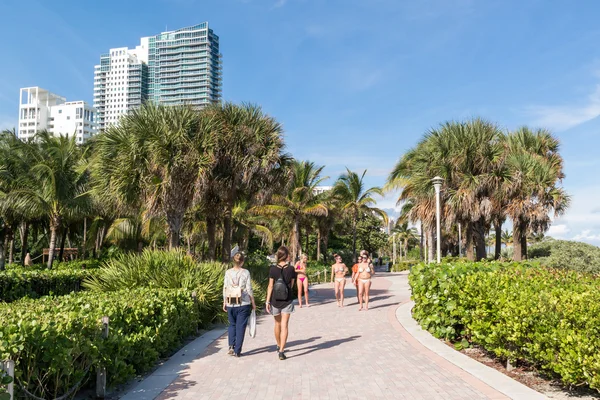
<point x="277" y="349"/>
<point x="230" y="352"/>
<point x="238" y="355"/>
<point x="282" y="355"/>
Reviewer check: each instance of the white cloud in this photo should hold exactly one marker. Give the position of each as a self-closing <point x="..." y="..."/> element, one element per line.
<point x="587" y="236"/>
<point x="562" y="117"/>
<point x="558" y="231"/>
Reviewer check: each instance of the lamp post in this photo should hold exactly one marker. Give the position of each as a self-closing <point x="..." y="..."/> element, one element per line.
<point x="437" y="184"/>
<point x="394" y="249"/>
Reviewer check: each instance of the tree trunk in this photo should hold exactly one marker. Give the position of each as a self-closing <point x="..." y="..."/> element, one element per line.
<point x="296" y="242"/>
<point x="517" y="241"/>
<point x="354" y="240"/>
<point x="54" y="225"/>
<point x="227" y="231"/>
<point x="406" y="248"/>
<point x="318" y="245"/>
<point x="211" y="231"/>
<point x="430" y="248"/>
<point x="83" y="247"/>
<point x="469" y="242"/>
<point x="11" y="248"/>
<point x="174" y="221"/>
<point x="421" y="254"/>
<point x="498" y="229"/>
<point x="524" y="245"/>
<point x="24" y="231"/>
<point x="62" y="244"/>
<point x="325" y="245"/>
<point x="307" y="237"/>
<point x="2" y="249"/>
<point x="480" y="246"/>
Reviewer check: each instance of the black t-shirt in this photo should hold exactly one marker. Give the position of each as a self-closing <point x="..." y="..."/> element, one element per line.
<point x="289" y="275"/>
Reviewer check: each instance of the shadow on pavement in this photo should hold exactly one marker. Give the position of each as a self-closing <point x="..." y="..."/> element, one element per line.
<point x="179" y="384"/>
<point x="321" y="346"/>
<point x="273" y="347"/>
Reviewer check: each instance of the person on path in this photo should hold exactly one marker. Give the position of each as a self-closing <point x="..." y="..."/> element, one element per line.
<point x="238" y="301"/>
<point x="302" y="280"/>
<point x="339" y="270"/>
<point x="365" y="272"/>
<point x="355" y="276"/>
<point x="282" y="278"/>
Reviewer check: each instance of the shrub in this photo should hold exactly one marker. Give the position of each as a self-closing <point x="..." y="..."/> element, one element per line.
<point x="547" y="317"/>
<point x="173" y="270"/>
<point x="15" y="284"/>
<point x="577" y="256"/>
<point x="403" y="265"/>
<point x="56" y="342"/>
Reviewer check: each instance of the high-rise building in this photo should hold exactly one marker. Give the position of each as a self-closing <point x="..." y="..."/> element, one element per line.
<point x="172" y="68"/>
<point x="40" y="110"/>
<point x="120" y="83"/>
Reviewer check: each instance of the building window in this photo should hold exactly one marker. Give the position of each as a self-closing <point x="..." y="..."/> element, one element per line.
<point x="60" y="111"/>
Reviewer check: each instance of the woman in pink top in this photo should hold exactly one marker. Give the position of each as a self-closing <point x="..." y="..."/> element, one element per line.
<point x="302" y="280"/>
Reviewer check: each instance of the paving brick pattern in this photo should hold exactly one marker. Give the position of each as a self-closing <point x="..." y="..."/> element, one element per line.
<point x="333" y="353"/>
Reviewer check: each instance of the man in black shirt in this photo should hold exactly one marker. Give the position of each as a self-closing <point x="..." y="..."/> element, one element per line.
<point x="281" y="307"/>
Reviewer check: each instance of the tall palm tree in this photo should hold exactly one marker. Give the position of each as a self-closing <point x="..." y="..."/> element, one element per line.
<point x="507" y="238"/>
<point x="533" y="189"/>
<point x="405" y="233"/>
<point x="464" y="154"/>
<point x="59" y="190"/>
<point x="156" y="154"/>
<point x="248" y="156"/>
<point x="299" y="203"/>
<point x="356" y="200"/>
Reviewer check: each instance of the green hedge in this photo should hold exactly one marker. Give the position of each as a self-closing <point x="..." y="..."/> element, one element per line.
<point x="66" y="265"/>
<point x="15" y="284"/>
<point x="578" y="256"/>
<point x="56" y="342"/>
<point x="403" y="265"/>
<point x="547" y="317"/>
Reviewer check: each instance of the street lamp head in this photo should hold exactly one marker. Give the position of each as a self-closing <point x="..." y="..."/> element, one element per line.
<point x="437" y="182"/>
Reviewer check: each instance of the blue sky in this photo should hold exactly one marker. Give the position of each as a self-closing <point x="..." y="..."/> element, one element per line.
<point x="355" y="83"/>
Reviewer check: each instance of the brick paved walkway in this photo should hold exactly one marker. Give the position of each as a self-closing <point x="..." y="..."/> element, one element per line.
<point x="333" y="353"/>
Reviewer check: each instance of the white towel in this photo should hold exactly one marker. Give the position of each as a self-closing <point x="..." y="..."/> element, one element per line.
<point x="252" y="324"/>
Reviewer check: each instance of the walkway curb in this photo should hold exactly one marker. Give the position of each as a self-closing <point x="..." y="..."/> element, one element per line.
<point x="159" y="380"/>
<point x="495" y="379"/>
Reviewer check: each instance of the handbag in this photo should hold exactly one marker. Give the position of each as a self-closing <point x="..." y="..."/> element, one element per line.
<point x="252" y="324"/>
<point x="233" y="294"/>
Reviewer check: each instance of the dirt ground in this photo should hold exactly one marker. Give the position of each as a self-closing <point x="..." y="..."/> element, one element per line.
<point x="528" y="376"/>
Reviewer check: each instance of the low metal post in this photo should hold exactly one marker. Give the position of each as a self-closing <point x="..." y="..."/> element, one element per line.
<point x="101" y="372"/>
<point x="8" y="367"/>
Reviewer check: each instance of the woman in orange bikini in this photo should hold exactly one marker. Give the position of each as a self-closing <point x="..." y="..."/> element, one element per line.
<point x="339" y="270"/>
<point x="364" y="274"/>
<point x="302" y="280"/>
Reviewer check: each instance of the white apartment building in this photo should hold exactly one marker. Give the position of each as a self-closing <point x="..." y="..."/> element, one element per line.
<point x="120" y="83"/>
<point x="321" y="189"/>
<point x="171" y="68"/>
<point x="40" y="110"/>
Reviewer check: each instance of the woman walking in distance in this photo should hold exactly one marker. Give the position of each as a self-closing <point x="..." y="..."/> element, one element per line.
<point x="238" y="301"/>
<point x="302" y="280"/>
<point x="282" y="277"/>
<point x="355" y="276"/>
<point x="365" y="272"/>
<point x="339" y="270"/>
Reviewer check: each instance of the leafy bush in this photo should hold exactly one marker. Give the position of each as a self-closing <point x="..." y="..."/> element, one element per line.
<point x="173" y="270"/>
<point x="547" y="317"/>
<point x="5" y="380"/>
<point x="62" y="265"/>
<point x="577" y="256"/>
<point x="15" y="284"/>
<point x="403" y="265"/>
<point x="56" y="342"/>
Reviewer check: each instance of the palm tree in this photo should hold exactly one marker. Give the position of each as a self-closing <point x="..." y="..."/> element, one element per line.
<point x="464" y="154"/>
<point x="404" y="233"/>
<point x="507" y="238"/>
<point x="60" y="188"/>
<point x="355" y="200"/>
<point x="248" y="155"/>
<point x="299" y="203"/>
<point x="248" y="222"/>
<point x="533" y="189"/>
<point x="155" y="157"/>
